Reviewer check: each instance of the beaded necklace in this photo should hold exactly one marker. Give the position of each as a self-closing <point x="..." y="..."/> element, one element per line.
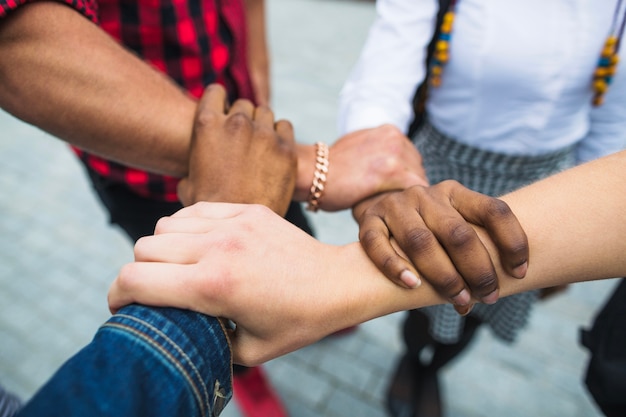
<point x="602" y="77"/>
<point x="441" y="54"/>
<point x="607" y="64"/>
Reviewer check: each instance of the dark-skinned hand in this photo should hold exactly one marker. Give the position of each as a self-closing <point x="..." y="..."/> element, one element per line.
<point x="425" y="232"/>
<point x="239" y="155"/>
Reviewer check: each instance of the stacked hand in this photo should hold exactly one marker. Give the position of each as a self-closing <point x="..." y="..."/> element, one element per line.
<point x="362" y="164"/>
<point x="427" y="231"/>
<point x="281" y="287"/>
<point x="239" y="155"/>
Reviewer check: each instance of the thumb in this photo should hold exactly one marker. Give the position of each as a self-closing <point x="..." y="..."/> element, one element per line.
<point x="183" y="191"/>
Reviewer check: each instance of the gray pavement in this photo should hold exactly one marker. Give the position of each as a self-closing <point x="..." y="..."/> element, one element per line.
<point x="58" y="256"/>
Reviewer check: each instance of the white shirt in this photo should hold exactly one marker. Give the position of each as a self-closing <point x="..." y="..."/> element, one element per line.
<point x="518" y="80"/>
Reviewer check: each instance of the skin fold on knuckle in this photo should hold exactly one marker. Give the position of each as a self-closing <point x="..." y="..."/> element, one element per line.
<point x="371" y="239"/>
<point x="484" y="283"/>
<point x="418" y="240"/>
<point x="206" y="120"/>
<point x="239" y="124"/>
<point x="498" y="210"/>
<point x="141" y="247"/>
<point x="126" y="280"/>
<point x="458" y="235"/>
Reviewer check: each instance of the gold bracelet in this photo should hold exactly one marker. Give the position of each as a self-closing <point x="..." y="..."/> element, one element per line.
<point x="319" y="178"/>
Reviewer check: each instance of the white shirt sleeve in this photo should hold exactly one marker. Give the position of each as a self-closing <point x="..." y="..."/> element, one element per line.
<point x="607" y="130"/>
<point x="381" y="86"/>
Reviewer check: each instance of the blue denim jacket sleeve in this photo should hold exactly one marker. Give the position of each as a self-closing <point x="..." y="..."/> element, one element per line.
<point x="143" y="362"/>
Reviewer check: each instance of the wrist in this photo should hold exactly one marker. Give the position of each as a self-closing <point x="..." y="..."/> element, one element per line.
<point x="306" y="168"/>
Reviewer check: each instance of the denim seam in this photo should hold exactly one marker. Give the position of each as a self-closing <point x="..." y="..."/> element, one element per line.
<point x="177" y="363"/>
<point x="179" y="350"/>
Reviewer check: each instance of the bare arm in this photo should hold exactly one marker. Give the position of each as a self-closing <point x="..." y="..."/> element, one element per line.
<point x="258" y="51"/>
<point x="271" y="289"/>
<point x="63" y="74"/>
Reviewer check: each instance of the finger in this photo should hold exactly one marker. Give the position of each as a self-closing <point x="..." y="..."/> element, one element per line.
<point x="429" y="257"/>
<point x="214" y="99"/>
<point x="264" y="115"/>
<point x="212" y="210"/>
<point x="464" y="248"/>
<point x="376" y="241"/>
<point x="190" y="225"/>
<point x="242" y="106"/>
<point x="176" y="248"/>
<point x="284" y="128"/>
<point x="156" y="284"/>
<point x="464" y="310"/>
<point x="500" y="223"/>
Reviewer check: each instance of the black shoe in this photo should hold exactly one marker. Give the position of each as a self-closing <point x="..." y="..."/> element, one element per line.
<point x="402" y="389"/>
<point x="413" y="391"/>
<point x="428" y="403"/>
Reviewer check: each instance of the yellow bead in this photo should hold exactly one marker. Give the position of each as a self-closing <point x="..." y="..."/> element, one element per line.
<point x="442" y="46"/>
<point x="436" y="70"/>
<point x="448" y="17"/>
<point x="611" y="40"/>
<point x="608" y="51"/>
<point x="611" y="70"/>
<point x="614" y="60"/>
<point x="601" y="72"/>
<point x="600" y="86"/>
<point x="435" y="81"/>
<point x="598" y="100"/>
<point x="446" y="27"/>
<point x="442" y="56"/>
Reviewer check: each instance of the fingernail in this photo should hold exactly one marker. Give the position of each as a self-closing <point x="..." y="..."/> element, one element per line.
<point x="462" y="298"/>
<point x="520" y="271"/>
<point x="464" y="310"/>
<point x="492" y="297"/>
<point x="410" y="279"/>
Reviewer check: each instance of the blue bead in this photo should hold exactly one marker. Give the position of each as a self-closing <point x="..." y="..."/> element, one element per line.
<point x="604" y="62"/>
<point x="445" y="36"/>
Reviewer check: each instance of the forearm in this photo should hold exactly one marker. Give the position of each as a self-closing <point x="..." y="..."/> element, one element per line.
<point x="258" y="53"/>
<point x="63" y="74"/>
<point x="306" y="169"/>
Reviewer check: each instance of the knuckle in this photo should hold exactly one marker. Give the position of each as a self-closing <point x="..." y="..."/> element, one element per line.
<point x="389" y="129"/>
<point x="368" y="239"/>
<point x="140" y="247"/>
<point x="239" y="121"/>
<point x="162" y="225"/>
<point x="498" y="208"/>
<point x="459" y="234"/>
<point x="126" y="277"/>
<point x="206" y="119"/>
<point x="419" y="240"/>
<point x="484" y="282"/>
<point x="221" y="284"/>
<point x="447" y="185"/>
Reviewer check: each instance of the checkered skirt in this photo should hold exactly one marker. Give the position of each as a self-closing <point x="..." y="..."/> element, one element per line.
<point x="493" y="174"/>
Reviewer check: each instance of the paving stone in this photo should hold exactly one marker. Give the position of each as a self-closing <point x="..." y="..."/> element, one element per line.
<point x="58" y="254"/>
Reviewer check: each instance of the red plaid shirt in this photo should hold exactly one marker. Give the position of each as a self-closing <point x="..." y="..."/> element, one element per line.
<point x="195" y="42"/>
